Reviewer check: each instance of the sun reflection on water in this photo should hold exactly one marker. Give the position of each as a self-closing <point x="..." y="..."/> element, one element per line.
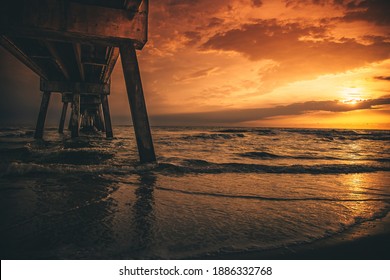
<point x="362" y="204"/>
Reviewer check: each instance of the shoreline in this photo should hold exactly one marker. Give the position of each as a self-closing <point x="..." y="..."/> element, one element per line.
<point x="366" y="241"/>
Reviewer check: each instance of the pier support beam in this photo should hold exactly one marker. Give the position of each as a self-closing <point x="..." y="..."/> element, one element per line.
<point x="98" y="119"/>
<point x="70" y="119"/>
<point x="63" y="116"/>
<point x="136" y="98"/>
<point x="107" y="117"/>
<point x="75" y="127"/>
<point x="42" y="115"/>
<point x="101" y="119"/>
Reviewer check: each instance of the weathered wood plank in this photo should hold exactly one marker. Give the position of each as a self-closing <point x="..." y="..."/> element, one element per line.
<point x="63" y="116"/>
<point x="73" y="22"/>
<point x="83" y="88"/>
<point x="106" y="22"/>
<point x="137" y="103"/>
<point x="42" y="115"/>
<point x="132" y="5"/>
<point x="77" y="53"/>
<point x="19" y="54"/>
<point x="111" y="61"/>
<point x="59" y="60"/>
<point x="94" y="61"/>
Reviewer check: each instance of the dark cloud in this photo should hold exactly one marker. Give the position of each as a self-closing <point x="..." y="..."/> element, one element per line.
<point x="169" y="19"/>
<point x="257" y="3"/>
<point x="383" y="78"/>
<point x="298" y="58"/>
<point x="376" y="11"/>
<point x="184" y="9"/>
<point x="302" y="3"/>
<point x="375" y="39"/>
<point x="214" y="22"/>
<point x="198" y="74"/>
<point x="246" y="115"/>
<point x="193" y="37"/>
<point x="181" y="2"/>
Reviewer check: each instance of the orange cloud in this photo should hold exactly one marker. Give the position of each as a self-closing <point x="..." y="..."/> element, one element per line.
<point x="238" y="116"/>
<point x="299" y="59"/>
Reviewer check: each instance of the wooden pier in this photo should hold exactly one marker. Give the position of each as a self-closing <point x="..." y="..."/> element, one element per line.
<point x="73" y="45"/>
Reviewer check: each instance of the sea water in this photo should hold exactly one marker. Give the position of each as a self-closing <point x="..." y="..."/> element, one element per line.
<point x="213" y="191"/>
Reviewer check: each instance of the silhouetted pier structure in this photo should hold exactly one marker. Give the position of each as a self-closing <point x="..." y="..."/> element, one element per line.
<point x="73" y="46"/>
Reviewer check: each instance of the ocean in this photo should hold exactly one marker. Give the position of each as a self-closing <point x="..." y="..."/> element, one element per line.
<point x="214" y="191"/>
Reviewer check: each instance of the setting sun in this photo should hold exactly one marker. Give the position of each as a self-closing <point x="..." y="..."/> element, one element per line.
<point x="351" y="95"/>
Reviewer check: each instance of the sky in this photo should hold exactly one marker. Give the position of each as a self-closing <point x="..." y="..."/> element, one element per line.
<point x="268" y="63"/>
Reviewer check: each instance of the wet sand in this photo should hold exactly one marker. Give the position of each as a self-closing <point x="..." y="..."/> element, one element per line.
<point x="367" y="241"/>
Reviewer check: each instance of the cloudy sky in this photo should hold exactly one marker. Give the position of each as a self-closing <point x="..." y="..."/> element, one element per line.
<point x="285" y="63"/>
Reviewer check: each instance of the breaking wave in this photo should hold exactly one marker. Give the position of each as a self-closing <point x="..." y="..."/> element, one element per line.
<point x="333" y="134"/>
<point x="201" y="166"/>
<point x="188" y="166"/>
<point x="268" y="156"/>
<point x="213" y="136"/>
<point x="257" y="197"/>
<point x="16" y="133"/>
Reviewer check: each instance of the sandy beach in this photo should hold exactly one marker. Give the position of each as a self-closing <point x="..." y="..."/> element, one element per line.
<point x="366" y="241"/>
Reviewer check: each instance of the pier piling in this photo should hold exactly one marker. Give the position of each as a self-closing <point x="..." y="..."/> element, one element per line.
<point x="63" y="116"/>
<point x="137" y="104"/>
<point x="75" y="128"/>
<point x="107" y="117"/>
<point x="42" y="115"/>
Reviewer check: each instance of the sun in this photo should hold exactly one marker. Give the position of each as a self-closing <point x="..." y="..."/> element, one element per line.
<point x="351" y="95"/>
<point x="351" y="101"/>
